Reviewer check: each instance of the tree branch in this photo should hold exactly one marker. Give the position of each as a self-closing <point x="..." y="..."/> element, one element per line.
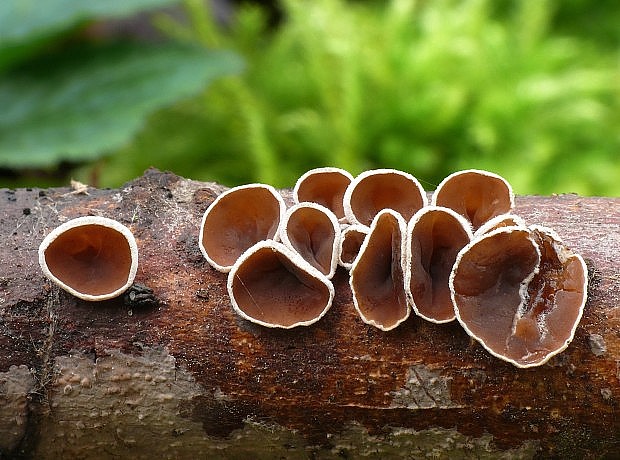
<point x="184" y="375"/>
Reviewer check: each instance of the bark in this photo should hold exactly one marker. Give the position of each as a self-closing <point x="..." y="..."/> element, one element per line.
<point x="183" y="376"/>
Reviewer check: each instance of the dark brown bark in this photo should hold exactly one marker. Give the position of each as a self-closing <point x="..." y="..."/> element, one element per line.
<point x="184" y="376"/>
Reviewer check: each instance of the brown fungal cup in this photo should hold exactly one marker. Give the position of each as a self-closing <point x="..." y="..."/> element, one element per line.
<point x="476" y="195"/>
<point x="313" y="232"/>
<point x="324" y="186"/>
<point x="351" y="240"/>
<point x="520" y="292"/>
<point x="272" y="286"/>
<point x="435" y="235"/>
<point x="93" y="258"/>
<point x="503" y="220"/>
<point x="378" y="189"/>
<point x="377" y="274"/>
<point x="238" y="219"/>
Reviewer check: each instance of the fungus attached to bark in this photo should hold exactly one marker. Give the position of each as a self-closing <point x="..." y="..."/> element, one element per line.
<point x="313" y="232"/>
<point x="378" y="189"/>
<point x="272" y="286"/>
<point x="351" y="240"/>
<point x="477" y="195"/>
<point x="503" y="220"/>
<point x="520" y="292"/>
<point x="435" y="235"/>
<point x="377" y="275"/>
<point x="238" y="219"/>
<point x="324" y="186"/>
<point x="93" y="258"/>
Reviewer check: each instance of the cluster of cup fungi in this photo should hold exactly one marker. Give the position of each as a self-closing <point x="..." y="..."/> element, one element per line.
<point x="516" y="289"/>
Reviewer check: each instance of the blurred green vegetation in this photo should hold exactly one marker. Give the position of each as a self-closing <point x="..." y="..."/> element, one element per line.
<point x="528" y="89"/>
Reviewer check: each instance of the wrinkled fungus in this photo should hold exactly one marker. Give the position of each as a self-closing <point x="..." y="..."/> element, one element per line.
<point x="351" y="240"/>
<point x="272" y="286"/>
<point x="324" y="186"/>
<point x="313" y="232"/>
<point x="435" y="235"/>
<point x="476" y="195"/>
<point x="378" y="189"/>
<point x="520" y="292"/>
<point x="238" y="219"/>
<point x="377" y="275"/>
<point x="93" y="258"/>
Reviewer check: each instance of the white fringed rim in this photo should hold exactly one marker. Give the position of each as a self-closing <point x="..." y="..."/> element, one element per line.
<point x="348" y="211"/>
<point x="408" y="256"/>
<point x="296" y="260"/>
<point x="284" y="236"/>
<point x="213" y="205"/>
<point x="88" y="221"/>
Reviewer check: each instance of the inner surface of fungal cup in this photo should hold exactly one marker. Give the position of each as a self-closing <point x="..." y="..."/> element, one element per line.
<point x="378" y="189"/>
<point x="435" y="235"/>
<point x="324" y="186"/>
<point x="520" y="292"/>
<point x="351" y="240"/>
<point x="475" y="194"/>
<point x="93" y="258"/>
<point x="377" y="274"/>
<point x="238" y="219"/>
<point x="270" y="285"/>
<point x="313" y="232"/>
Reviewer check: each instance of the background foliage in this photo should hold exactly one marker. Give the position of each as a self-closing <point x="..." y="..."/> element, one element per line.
<point x="528" y="89"/>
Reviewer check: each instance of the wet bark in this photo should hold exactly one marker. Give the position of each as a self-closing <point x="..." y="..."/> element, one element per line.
<point x="183" y="376"/>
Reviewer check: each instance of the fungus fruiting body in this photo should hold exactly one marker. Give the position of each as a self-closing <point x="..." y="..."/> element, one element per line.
<point x="503" y="220"/>
<point x="476" y="195"/>
<point x="378" y="189"/>
<point x="520" y="292"/>
<point x="272" y="286"/>
<point x="377" y="274"/>
<point x="351" y="239"/>
<point x="324" y="186"/>
<point x="238" y="219"/>
<point x="313" y="232"/>
<point x="435" y="235"/>
<point x="94" y="258"/>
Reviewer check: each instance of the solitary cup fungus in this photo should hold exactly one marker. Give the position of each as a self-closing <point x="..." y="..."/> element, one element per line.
<point x="238" y="219"/>
<point x="520" y="292"/>
<point x="351" y="240"/>
<point x="325" y="186"/>
<point x="272" y="286"/>
<point x="377" y="274"/>
<point x="435" y="235"/>
<point x="93" y="258"/>
<point x="476" y="195"/>
<point x="378" y="189"/>
<point x="314" y="233"/>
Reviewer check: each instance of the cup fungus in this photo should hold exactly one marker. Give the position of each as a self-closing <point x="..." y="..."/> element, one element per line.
<point x="93" y="258"/>
<point x="377" y="275"/>
<point x="520" y="292"/>
<point x="238" y="219"/>
<point x="435" y="235"/>
<point x="272" y="286"/>
<point x="351" y="240"/>
<point x="378" y="189"/>
<point x="477" y="195"/>
<point x="324" y="186"/>
<point x="313" y="232"/>
<point x="503" y="220"/>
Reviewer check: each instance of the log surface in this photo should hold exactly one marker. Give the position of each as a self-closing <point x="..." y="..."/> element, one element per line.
<point x="184" y="376"/>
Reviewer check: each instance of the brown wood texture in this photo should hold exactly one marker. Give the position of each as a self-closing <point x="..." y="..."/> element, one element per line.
<point x="184" y="377"/>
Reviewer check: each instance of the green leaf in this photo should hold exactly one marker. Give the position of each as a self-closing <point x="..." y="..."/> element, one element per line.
<point x="22" y="20"/>
<point x="95" y="101"/>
